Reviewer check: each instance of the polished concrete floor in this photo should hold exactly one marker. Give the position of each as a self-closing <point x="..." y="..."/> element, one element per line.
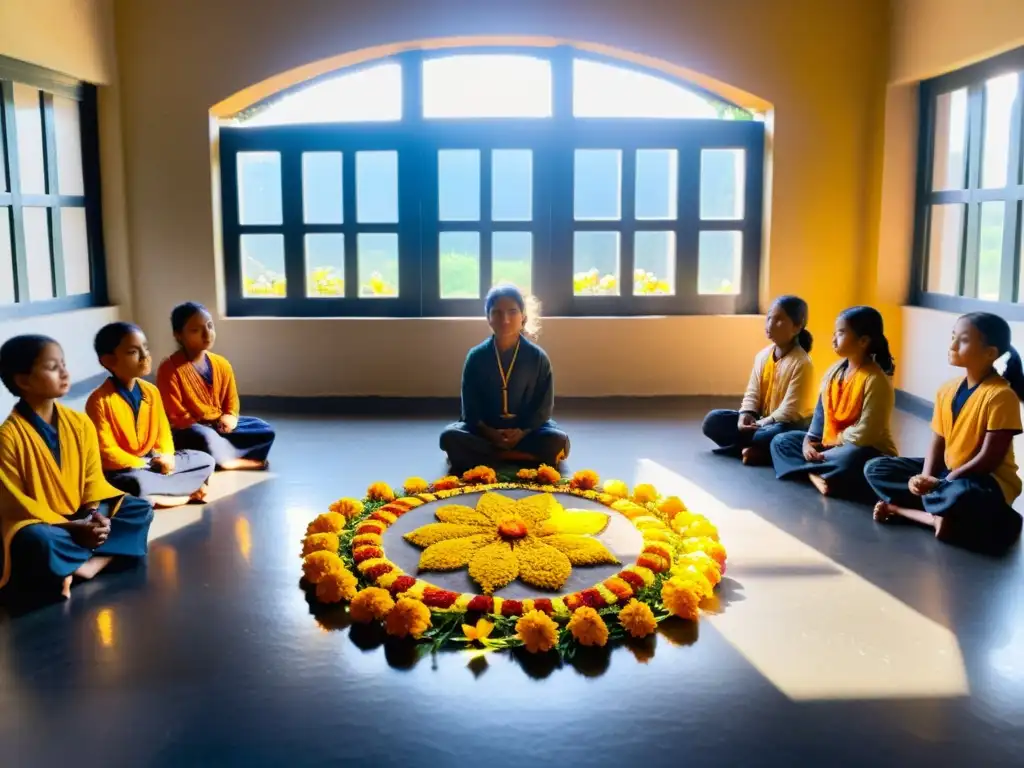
<point x="835" y="642"/>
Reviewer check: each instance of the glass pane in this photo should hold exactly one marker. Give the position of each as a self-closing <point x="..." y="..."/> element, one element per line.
<point x="990" y="250"/>
<point x="259" y="187"/>
<point x="378" y="265"/>
<point x="460" y="265"/>
<point x="607" y="90"/>
<point x="1000" y="93"/>
<point x="373" y="94"/>
<point x="719" y="262"/>
<point x="722" y="176"/>
<point x="512" y="185"/>
<point x="325" y="265"/>
<point x="75" y="240"/>
<point x="595" y="264"/>
<point x="6" y="258"/>
<point x="512" y="259"/>
<point x="950" y="161"/>
<point x="68" y="133"/>
<point x="597" y="184"/>
<point x="322" y="201"/>
<point x="654" y="255"/>
<point x="458" y="174"/>
<point x="656" y="182"/>
<point x="37" y="253"/>
<point x="29" y="121"/>
<point x="377" y="187"/>
<point x="487" y="85"/>
<point x="945" y="237"/>
<point x="263" y="267"/>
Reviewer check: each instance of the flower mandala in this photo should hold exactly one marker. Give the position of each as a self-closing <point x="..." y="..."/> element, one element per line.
<point x="534" y="539"/>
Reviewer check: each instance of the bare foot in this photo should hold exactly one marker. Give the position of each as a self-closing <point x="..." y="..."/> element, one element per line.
<point x="754" y="457"/>
<point x="199" y="496"/>
<point x="884" y="512"/>
<point x="890" y="513"/>
<point x="93" y="566"/>
<point x="166" y="502"/>
<point x="245" y="464"/>
<point x="820" y="483"/>
<point x="65" y="588"/>
<point x="943" y="529"/>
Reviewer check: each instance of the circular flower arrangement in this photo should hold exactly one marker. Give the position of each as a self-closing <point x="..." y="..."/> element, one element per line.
<point x="533" y="539"/>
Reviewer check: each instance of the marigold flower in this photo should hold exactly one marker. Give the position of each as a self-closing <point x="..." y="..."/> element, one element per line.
<point x="480" y="476"/>
<point x="584" y="480"/>
<point x="320" y="542"/>
<point x="380" y="492"/>
<point x="348" y="507"/>
<point x="671" y="506"/>
<point x="588" y="627"/>
<point x="363" y="539"/>
<point x="712" y="548"/>
<point x="527" y="475"/>
<point x="681" y="599"/>
<point x="637" y="618"/>
<point x="549" y="475"/>
<point x="336" y="586"/>
<point x="447" y="483"/>
<point x="616" y="488"/>
<point x="703" y="562"/>
<point x="538" y="631"/>
<point x="328" y="522"/>
<point x="414" y="485"/>
<point x="701" y="527"/>
<point x="645" y="493"/>
<point x="408" y="618"/>
<point x="701" y="583"/>
<point x="317" y="565"/>
<point x="372" y="603"/>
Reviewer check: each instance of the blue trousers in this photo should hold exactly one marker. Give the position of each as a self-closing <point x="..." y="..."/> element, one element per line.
<point x="976" y="513"/>
<point x="466" y="449"/>
<point x="191" y="470"/>
<point x="251" y="439"/>
<point x="843" y="466"/>
<point x="720" y="427"/>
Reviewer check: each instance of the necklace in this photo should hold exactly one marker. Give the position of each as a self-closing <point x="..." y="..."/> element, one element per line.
<point x="505" y="376"/>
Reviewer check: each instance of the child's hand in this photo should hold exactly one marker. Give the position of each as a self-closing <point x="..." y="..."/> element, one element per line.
<point x="746" y="422"/>
<point x="920" y="485"/>
<point x="90" y="533"/>
<point x="162" y="463"/>
<point x="227" y="423"/>
<point x="811" y="452"/>
<point x="511" y="438"/>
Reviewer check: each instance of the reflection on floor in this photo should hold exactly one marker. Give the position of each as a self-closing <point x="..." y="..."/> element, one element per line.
<point x="835" y="641"/>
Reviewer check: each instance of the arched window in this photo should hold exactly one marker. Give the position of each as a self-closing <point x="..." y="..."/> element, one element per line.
<point x="411" y="185"/>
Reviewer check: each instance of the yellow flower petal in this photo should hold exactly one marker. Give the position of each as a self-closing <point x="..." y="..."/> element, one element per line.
<point x="496" y="506"/>
<point x="577" y="522"/>
<point x="493" y="566"/>
<point x="469" y="631"/>
<point x="537" y="508"/>
<point x="452" y="554"/>
<point x="461" y="515"/>
<point x="431" y="533"/>
<point x="540" y="565"/>
<point x="483" y="629"/>
<point x="580" y="550"/>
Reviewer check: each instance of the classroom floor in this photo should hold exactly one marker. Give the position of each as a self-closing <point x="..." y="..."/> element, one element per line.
<point x="836" y="642"/>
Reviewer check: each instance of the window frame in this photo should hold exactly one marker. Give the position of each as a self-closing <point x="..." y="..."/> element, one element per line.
<point x="50" y="84"/>
<point x="553" y="141"/>
<point x="972" y="195"/>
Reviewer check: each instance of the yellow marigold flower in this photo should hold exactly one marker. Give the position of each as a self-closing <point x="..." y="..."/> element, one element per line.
<point x="558" y="604"/>
<point x="549" y="475"/>
<point x="538" y="631"/>
<point x="690" y="573"/>
<point x="480" y="632"/>
<point x="447" y="483"/>
<point x="703" y="563"/>
<point x="480" y="476"/>
<point x="616" y="488"/>
<point x="671" y="506"/>
<point x="320" y="542"/>
<point x="645" y="493"/>
<point x="408" y="618"/>
<point x="680" y="598"/>
<point x="363" y="539"/>
<point x="328" y="522"/>
<point x="637" y="618"/>
<point x="348" y="507"/>
<point x="527" y="475"/>
<point x="380" y="492"/>
<point x="584" y="480"/>
<point x="414" y="485"/>
<point x="713" y="549"/>
<point x="317" y="565"/>
<point x="701" y="527"/>
<point x="682" y="520"/>
<point x="372" y="603"/>
<point x="389" y="578"/>
<point x="336" y="586"/>
<point x="588" y="627"/>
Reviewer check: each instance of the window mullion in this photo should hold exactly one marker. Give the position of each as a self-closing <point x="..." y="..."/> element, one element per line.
<point x="292" y="220"/>
<point x="14" y="174"/>
<point x="348" y="216"/>
<point x="53" y="191"/>
<point x="1009" y="266"/>
<point x="688" y="223"/>
<point x="968" y="285"/>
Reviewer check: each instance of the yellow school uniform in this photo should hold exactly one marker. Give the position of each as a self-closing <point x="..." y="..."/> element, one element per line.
<point x="125" y="440"/>
<point x="188" y="399"/>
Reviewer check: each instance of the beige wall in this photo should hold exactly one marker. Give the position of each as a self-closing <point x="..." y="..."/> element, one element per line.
<point x="820" y="63"/>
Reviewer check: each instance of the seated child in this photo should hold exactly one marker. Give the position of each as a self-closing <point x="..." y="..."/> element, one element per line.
<point x="136" y="447"/>
<point x="201" y="398"/>
<point x="508" y="393"/>
<point x="778" y="396"/>
<point x="965" y="485"/>
<point x="59" y="517"/>
<point x="851" y="420"/>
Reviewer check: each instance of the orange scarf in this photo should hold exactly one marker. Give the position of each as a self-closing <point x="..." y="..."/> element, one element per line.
<point x="187" y="397"/>
<point x="843" y="403"/>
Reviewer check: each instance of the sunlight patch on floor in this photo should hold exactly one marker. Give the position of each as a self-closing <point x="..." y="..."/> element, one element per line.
<point x="812" y="627"/>
<point x="222" y="485"/>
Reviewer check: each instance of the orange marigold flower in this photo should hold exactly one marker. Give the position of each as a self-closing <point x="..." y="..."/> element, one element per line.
<point x="702" y="585"/>
<point x="681" y="599"/>
<point x="584" y="480"/>
<point x="328" y="522"/>
<point x="363" y="539"/>
<point x="336" y="586"/>
<point x="645" y="493"/>
<point x="637" y="619"/>
<point x="447" y="483"/>
<point x="380" y="492"/>
<point x="408" y="618"/>
<point x="671" y="506"/>
<point x="616" y="488"/>
<point x="527" y="475"/>
<point x="538" y="631"/>
<point x="317" y="565"/>
<point x="370" y="604"/>
<point x="588" y="627"/>
<point x="480" y="476"/>
<point x="712" y="548"/>
<point x="548" y="475"/>
<point x="414" y="485"/>
<point x="703" y="562"/>
<point x="348" y="507"/>
<point x="320" y="542"/>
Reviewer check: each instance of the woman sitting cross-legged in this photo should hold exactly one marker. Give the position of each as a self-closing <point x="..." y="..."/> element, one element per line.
<point x="508" y="393"/>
